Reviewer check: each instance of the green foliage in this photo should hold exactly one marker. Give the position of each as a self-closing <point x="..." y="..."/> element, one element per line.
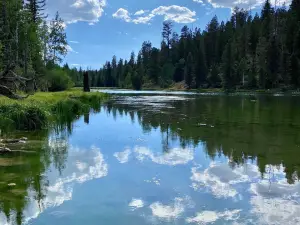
<point x="261" y="51"/>
<point x="166" y="75"/>
<point x="42" y="109"/>
<point x="28" y="43"/>
<point x="246" y="51"/>
<point x="189" y="70"/>
<point x="57" y="39"/>
<point x="59" y="80"/>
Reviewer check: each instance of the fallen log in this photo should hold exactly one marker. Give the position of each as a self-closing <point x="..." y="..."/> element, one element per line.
<point x="10" y="94"/>
<point x="13" y="141"/>
<point x="4" y="150"/>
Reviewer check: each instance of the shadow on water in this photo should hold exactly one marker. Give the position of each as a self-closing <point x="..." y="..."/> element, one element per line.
<point x="264" y="130"/>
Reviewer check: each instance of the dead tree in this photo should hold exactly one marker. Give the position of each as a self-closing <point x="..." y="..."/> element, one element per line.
<point x="10" y="82"/>
<point x="86" y="84"/>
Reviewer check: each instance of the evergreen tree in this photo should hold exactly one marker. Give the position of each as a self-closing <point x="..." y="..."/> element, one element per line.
<point x="154" y="66"/>
<point x="120" y="73"/>
<point x="36" y="8"/>
<point x="57" y="40"/>
<point x="261" y="62"/>
<point x="189" y="73"/>
<point x="179" y="71"/>
<point x="114" y="71"/>
<point x="167" y="33"/>
<point x="228" y="67"/>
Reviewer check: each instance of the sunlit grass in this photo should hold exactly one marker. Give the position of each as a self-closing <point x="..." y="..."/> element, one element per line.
<point x="42" y="108"/>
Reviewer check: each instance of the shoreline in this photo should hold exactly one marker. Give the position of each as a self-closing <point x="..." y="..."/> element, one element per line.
<point x="44" y="109"/>
<point x="212" y="91"/>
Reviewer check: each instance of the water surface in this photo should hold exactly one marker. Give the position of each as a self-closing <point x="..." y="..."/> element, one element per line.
<point x="156" y="158"/>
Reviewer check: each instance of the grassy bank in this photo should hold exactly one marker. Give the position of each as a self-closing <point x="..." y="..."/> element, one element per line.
<point x="43" y="108"/>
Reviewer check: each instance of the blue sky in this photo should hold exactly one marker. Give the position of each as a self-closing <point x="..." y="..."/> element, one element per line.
<point x="98" y="29"/>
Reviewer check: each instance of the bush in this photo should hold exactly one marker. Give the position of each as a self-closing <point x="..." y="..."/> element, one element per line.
<point x="59" y="80"/>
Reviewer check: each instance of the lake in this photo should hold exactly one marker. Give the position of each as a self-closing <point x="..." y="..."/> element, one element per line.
<point x="160" y="158"/>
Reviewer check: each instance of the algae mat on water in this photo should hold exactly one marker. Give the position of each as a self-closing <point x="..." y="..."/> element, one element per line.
<point x="43" y="108"/>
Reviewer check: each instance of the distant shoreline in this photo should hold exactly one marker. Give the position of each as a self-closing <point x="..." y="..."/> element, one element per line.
<point x="212" y="91"/>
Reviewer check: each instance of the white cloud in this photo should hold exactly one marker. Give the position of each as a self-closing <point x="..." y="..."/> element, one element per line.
<point x="70" y="49"/>
<point x="212" y="216"/>
<point x="175" y="13"/>
<point x="140" y="12"/>
<point x="174" y="157"/>
<point x="143" y="19"/>
<point x="73" y="11"/>
<point x="246" y="4"/>
<point x="123" y="157"/>
<point x="74" y="42"/>
<point x="122" y="14"/>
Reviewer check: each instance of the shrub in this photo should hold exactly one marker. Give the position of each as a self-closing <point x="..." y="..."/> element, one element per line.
<point x="58" y="80"/>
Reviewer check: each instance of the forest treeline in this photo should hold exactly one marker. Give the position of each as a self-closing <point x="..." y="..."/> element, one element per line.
<point x="247" y="51"/>
<point x="32" y="46"/>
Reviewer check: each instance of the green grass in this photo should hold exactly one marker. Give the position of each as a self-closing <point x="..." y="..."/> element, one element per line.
<point x="44" y="108"/>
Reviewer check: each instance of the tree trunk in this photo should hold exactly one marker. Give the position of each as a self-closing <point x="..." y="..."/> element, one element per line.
<point x="86" y="85"/>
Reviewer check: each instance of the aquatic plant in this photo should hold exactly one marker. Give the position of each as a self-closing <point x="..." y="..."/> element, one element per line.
<point x="44" y="108"/>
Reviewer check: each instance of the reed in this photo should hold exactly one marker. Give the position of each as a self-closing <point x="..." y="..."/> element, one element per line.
<point x="43" y="108"/>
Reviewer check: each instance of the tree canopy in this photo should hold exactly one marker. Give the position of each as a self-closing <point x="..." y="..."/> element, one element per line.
<point x="247" y="51"/>
<point x="29" y="47"/>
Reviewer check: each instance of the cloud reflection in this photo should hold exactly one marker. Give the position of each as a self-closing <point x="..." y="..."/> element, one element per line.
<point x="81" y="166"/>
<point x="212" y="216"/>
<point x="276" y="202"/>
<point x="175" y="156"/>
<point x="219" y="179"/>
<point x="123" y="157"/>
<point x="136" y="203"/>
<point x="171" y="211"/>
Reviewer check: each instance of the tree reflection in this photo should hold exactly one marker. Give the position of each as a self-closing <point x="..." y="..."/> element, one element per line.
<point x="265" y="130"/>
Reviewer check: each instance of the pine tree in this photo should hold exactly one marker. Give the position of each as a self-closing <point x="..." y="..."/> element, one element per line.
<point x="266" y="17"/>
<point x="120" y="73"/>
<point x="179" y="71"/>
<point x="132" y="60"/>
<point x="57" y="40"/>
<point x="200" y="68"/>
<point x="273" y="63"/>
<point x="210" y="41"/>
<point x="36" y="8"/>
<point x="167" y="32"/>
<point x="154" y="66"/>
<point x="114" y="71"/>
<point x="227" y="67"/>
<point x="189" y="73"/>
<point x="295" y="9"/>
<point x="137" y="77"/>
<point x="261" y="62"/>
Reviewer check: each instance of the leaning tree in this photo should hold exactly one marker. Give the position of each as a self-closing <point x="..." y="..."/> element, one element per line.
<point x="10" y="82"/>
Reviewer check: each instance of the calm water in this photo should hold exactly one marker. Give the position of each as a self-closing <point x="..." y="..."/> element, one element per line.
<point x="152" y="158"/>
